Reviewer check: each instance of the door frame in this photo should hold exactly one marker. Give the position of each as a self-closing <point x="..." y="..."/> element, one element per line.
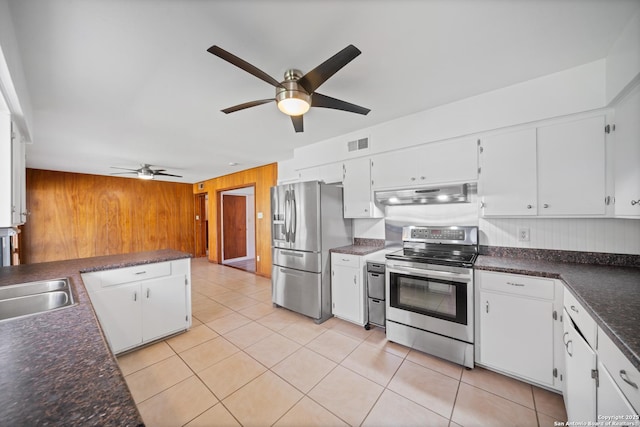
<point x="201" y="229"/>
<point x="219" y="217"/>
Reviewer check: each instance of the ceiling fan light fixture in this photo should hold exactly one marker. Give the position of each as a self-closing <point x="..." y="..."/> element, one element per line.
<point x="294" y="106"/>
<point x="145" y="175"/>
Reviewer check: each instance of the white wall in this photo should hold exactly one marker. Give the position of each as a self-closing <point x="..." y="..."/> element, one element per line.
<point x="623" y="60"/>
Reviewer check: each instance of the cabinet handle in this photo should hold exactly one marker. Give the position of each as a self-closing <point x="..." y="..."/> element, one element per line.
<point x="487" y="306"/>
<point x="573" y="308"/>
<point x="140" y="272"/>
<point x="545" y="206"/>
<point x="422" y="177"/>
<point x="355" y="280"/>
<point x="135" y="295"/>
<point x="563" y="337"/>
<point x="147" y="293"/>
<point x="529" y="206"/>
<point x="567" y="346"/>
<point x="625" y="378"/>
<point x="635" y="202"/>
<point x="413" y="178"/>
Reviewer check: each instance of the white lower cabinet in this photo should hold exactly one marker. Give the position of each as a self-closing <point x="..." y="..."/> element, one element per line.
<point x="136" y="305"/>
<point x="580" y="368"/>
<point x="601" y="384"/>
<point x="347" y="287"/>
<point x="518" y="323"/>
<point x="612" y="403"/>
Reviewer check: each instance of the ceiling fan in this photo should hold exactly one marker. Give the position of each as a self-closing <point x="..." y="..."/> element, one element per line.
<point x="144" y="172"/>
<point x="297" y="92"/>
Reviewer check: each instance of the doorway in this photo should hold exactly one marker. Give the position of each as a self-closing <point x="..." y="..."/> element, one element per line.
<point x="202" y="225"/>
<point x="238" y="238"/>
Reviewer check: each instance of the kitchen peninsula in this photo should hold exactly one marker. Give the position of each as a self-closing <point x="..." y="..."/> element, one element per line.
<point x="56" y="366"/>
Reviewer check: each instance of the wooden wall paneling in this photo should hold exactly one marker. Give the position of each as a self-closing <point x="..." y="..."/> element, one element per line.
<point x="78" y="215"/>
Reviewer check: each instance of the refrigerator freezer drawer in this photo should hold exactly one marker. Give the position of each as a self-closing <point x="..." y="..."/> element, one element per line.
<point x="299" y="291"/>
<point x="289" y="258"/>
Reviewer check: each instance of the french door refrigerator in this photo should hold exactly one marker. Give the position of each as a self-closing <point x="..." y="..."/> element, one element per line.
<point x="306" y="222"/>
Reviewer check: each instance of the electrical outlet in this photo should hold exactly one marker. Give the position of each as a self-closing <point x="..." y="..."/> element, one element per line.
<point x="523" y="234"/>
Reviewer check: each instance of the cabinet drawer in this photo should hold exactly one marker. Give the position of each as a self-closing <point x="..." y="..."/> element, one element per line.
<point x="624" y="373"/>
<point x="345" y="259"/>
<point x="516" y="284"/>
<point x="132" y="274"/>
<point x="580" y="317"/>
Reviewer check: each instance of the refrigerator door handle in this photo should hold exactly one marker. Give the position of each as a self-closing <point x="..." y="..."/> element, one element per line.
<point x="287" y="212"/>
<point x="294" y="216"/>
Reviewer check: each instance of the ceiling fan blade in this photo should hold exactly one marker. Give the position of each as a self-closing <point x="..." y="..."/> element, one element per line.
<point x="297" y="123"/>
<point x="241" y="63"/>
<point x="247" y="105"/>
<point x="126" y="169"/>
<point x="122" y="173"/>
<point x="324" y="101"/>
<point x="168" y="174"/>
<point x="314" y="78"/>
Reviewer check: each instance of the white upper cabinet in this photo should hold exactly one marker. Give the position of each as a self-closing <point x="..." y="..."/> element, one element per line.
<point x="357" y="195"/>
<point x="508" y="176"/>
<point x="571" y="168"/>
<point x="555" y="170"/>
<point x="434" y="163"/>
<point x="12" y="175"/>
<point x="627" y="156"/>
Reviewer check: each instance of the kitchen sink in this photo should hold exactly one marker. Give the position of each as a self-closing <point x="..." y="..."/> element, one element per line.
<point x="25" y="299"/>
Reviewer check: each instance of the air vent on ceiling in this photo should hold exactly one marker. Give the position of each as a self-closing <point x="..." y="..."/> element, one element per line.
<point x="358" y="144"/>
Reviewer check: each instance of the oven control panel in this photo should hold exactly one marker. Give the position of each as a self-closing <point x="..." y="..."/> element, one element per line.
<point x="437" y="233"/>
<point x="453" y="235"/>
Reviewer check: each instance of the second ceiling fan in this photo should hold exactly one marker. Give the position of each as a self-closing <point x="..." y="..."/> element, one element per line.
<point x="297" y="92"/>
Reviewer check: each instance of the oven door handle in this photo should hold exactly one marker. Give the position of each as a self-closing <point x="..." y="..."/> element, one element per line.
<point x="430" y="273"/>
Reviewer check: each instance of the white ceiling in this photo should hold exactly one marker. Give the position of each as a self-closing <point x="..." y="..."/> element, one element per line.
<point x="124" y="82"/>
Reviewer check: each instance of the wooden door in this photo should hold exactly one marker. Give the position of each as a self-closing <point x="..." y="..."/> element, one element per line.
<point x="234" y="226"/>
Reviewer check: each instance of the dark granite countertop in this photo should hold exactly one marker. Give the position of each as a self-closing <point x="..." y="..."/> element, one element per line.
<point x="360" y="247"/>
<point x="57" y="368"/>
<point x="610" y="293"/>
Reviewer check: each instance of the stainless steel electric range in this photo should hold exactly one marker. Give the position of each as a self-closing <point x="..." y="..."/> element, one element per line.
<point x="429" y="287"/>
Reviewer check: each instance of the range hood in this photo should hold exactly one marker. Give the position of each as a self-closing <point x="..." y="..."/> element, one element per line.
<point x="425" y="195"/>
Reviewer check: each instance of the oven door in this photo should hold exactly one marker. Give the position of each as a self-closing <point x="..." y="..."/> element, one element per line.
<point x="433" y="300"/>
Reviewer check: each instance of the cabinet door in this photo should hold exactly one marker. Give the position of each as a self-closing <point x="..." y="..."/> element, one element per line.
<point x="516" y="336"/>
<point x="346" y="293"/>
<point x="395" y="169"/>
<point x="571" y="168"/>
<point x="119" y="311"/>
<point x="357" y="188"/>
<point x="627" y="156"/>
<point x="507" y="181"/>
<point x="6" y="172"/>
<point x="611" y="401"/>
<point x="164" y="307"/>
<point x="448" y="161"/>
<point x="18" y="196"/>
<point x="580" y="387"/>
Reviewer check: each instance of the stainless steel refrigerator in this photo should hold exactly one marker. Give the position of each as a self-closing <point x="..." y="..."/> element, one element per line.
<point x="306" y="222"/>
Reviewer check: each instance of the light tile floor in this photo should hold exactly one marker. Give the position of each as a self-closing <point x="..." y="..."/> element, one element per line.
<point x="246" y="363"/>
